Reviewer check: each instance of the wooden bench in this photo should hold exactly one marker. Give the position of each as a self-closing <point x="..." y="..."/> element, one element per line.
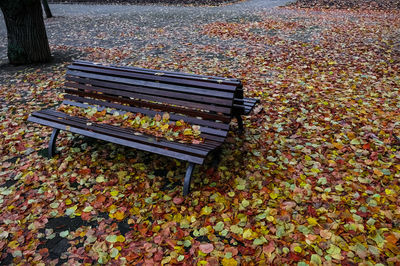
<point x="209" y="102"/>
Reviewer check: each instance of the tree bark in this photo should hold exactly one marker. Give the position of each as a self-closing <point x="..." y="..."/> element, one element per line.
<point x="26" y="33"/>
<point x="47" y="9"/>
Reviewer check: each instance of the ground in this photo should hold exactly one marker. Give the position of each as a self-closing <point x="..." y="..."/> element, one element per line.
<point x="314" y="179"/>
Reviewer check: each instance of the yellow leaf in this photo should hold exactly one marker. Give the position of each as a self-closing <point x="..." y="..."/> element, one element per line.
<point x="114" y="193"/>
<point x="248" y="234"/>
<point x="337" y="145"/>
<point x="119" y="215"/>
<point x="389" y="191"/>
<point x="378" y="172"/>
<point x="121" y="174"/>
<point x="68" y="202"/>
<point x="156" y="228"/>
<point x="13" y="244"/>
<point x="166" y="260"/>
<point x="164" y="127"/>
<point x="312" y="221"/>
<point x="351" y="135"/>
<point x="120" y="238"/>
<point x="206" y="210"/>
<point x="229" y="262"/>
<point x="298" y="249"/>
<point x="187" y="132"/>
<point x="273" y="195"/>
<point x="315" y="170"/>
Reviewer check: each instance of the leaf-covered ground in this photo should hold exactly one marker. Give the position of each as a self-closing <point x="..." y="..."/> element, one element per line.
<point x="313" y="180"/>
<point x="349" y="4"/>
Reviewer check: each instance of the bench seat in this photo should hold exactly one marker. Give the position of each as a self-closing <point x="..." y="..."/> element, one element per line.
<point x="194" y="153"/>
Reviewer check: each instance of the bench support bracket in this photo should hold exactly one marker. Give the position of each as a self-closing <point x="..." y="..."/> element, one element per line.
<point x="188" y="178"/>
<point x="52" y="143"/>
<point x="240" y="122"/>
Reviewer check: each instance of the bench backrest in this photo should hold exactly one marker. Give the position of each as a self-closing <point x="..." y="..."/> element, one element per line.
<point x="198" y="100"/>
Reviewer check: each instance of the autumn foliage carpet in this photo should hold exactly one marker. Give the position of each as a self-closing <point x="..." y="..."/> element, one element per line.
<point x="349" y="4"/>
<point x="313" y="180"/>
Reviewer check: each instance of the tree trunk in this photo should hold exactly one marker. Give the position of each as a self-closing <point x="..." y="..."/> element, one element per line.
<point x="26" y="33"/>
<point x="47" y="9"/>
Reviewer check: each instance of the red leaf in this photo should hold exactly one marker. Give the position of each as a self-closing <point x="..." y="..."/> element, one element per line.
<point x="177" y="200"/>
<point x="206" y="248"/>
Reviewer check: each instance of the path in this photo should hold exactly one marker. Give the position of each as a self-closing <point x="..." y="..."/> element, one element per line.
<point x="104" y="25"/>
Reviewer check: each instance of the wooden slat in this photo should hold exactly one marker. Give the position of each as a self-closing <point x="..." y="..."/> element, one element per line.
<point x="162" y="107"/>
<point x="117" y="140"/>
<point x="244" y="106"/>
<point x="152" y="77"/>
<point x="188" y="103"/>
<point x="150" y="84"/>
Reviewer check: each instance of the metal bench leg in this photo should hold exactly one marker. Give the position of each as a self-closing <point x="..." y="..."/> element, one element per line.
<point x="52" y="143"/>
<point x="240" y="122"/>
<point x="188" y="178"/>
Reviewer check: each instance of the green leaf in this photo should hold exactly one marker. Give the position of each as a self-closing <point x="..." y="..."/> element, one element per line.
<point x="259" y="241"/>
<point x="333" y="250"/>
<point x="71" y="210"/>
<point x="316" y="259"/>
<point x="236" y="229"/>
<point x="114" y="253"/>
<point x="111" y="238"/>
<point x="219" y="226"/>
<point x="88" y="209"/>
<point x="380" y="241"/>
<point x="64" y="233"/>
<point x="245" y="203"/>
<point x="322" y="181"/>
<point x="54" y="205"/>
